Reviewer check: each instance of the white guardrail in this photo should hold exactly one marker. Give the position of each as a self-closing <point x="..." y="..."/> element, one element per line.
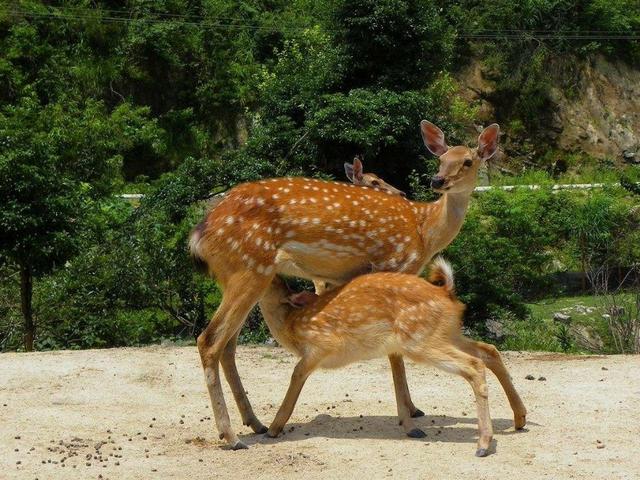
<point x="486" y="188"/>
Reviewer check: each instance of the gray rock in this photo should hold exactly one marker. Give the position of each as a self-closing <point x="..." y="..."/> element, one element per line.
<point x="495" y="328"/>
<point x="561" y="318"/>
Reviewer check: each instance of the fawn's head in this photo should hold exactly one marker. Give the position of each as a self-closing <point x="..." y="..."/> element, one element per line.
<point x="458" y="165"/>
<point x="357" y="177"/>
<point x="275" y="302"/>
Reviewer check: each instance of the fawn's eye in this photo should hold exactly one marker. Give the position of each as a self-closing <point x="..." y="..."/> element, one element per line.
<point x="375" y="182"/>
<point x="468" y="162"/>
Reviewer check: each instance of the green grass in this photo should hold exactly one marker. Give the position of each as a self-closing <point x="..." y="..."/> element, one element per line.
<point x="541" y="332"/>
<point x="545" y="309"/>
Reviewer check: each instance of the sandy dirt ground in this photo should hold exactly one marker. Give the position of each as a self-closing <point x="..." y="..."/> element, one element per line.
<point x="144" y="413"/>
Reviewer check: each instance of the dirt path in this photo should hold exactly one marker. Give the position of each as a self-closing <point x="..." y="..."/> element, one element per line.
<point x="144" y="413"/>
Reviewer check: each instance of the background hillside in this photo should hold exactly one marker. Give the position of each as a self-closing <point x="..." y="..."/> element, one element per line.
<point x="177" y="99"/>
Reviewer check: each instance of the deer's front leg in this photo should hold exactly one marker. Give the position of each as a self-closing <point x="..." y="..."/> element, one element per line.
<point x="400" y="382"/>
<point x="300" y="374"/>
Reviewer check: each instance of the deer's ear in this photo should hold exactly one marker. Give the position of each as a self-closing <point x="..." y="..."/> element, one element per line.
<point x="433" y="138"/>
<point x="301" y="299"/>
<point x="348" y="169"/>
<point x="488" y="141"/>
<point x="357" y="170"/>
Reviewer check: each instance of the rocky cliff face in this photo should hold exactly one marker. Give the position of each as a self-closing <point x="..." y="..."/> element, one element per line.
<point x="602" y="117"/>
<point x="599" y="114"/>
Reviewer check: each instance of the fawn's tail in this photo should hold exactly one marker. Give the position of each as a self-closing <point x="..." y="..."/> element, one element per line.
<point x="442" y="274"/>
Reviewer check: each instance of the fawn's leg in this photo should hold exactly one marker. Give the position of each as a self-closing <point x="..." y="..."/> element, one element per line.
<point x="300" y="374"/>
<point x="238" y="298"/>
<point x="492" y="359"/>
<point x="400" y="380"/>
<point x="472" y="369"/>
<point x="403" y="408"/>
<point x="228" y="361"/>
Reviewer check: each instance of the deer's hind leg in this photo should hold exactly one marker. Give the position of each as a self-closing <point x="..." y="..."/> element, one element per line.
<point x="241" y="292"/>
<point x="492" y="359"/>
<point x="228" y="361"/>
<point x="452" y="359"/>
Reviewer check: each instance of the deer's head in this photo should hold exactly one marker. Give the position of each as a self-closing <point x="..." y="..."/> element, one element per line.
<point x="357" y="177"/>
<point x="458" y="165"/>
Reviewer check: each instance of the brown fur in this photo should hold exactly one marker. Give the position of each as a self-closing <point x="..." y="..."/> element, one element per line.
<point x="382" y="314"/>
<point x="323" y="231"/>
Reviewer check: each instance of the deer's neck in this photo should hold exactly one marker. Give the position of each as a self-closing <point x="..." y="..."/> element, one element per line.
<point x="275" y="313"/>
<point x="443" y="220"/>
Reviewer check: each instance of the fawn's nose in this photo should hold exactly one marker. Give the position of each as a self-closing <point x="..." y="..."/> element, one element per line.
<point x="437" y="182"/>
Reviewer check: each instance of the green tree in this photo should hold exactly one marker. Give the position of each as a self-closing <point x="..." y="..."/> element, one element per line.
<point x="56" y="162"/>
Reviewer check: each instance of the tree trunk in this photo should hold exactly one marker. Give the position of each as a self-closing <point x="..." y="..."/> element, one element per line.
<point x="26" y="294"/>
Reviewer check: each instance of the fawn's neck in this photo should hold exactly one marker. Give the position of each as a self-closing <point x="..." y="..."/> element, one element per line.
<point x="443" y="220"/>
<point x="273" y="310"/>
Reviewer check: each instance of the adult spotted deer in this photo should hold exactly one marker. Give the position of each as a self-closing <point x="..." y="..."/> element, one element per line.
<point x="323" y="231"/>
<point x="384" y="314"/>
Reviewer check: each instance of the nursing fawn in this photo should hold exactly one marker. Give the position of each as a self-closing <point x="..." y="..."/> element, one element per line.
<point x="321" y="231"/>
<point x="383" y="314"/>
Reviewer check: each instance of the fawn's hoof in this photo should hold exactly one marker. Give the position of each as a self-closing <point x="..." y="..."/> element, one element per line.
<point x="417" y="413"/>
<point x="482" y="452"/>
<point x="239" y="446"/>
<point x="520" y="422"/>
<point x="416" y="433"/>
<point x="261" y="430"/>
<point x="268" y="434"/>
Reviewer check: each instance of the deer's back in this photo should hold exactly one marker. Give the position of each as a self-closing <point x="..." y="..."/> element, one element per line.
<point x="314" y="229"/>
<point x="374" y="315"/>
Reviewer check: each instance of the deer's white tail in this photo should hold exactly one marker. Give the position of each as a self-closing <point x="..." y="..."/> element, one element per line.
<point x="199" y="260"/>
<point x="442" y="274"/>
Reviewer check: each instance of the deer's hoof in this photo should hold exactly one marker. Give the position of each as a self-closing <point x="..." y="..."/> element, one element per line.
<point x="520" y="422"/>
<point x="261" y="430"/>
<point x="239" y="446"/>
<point x="416" y="433"/>
<point x="482" y="452"/>
<point x="417" y="413"/>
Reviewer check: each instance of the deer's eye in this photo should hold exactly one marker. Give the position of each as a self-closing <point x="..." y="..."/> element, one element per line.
<point x="467" y="163"/>
<point x="375" y="182"/>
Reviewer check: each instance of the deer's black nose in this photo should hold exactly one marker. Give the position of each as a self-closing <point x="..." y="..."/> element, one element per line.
<point x="437" y="182"/>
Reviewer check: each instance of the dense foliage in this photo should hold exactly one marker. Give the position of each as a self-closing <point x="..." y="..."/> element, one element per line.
<point x="181" y="99"/>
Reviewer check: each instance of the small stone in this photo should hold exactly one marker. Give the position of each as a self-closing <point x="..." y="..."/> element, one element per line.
<point x="561" y="317"/>
<point x="604" y="368"/>
<point x="530" y="377"/>
<point x="542" y="379"/>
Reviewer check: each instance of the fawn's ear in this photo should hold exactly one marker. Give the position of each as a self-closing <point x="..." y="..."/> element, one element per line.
<point x="357" y="170"/>
<point x="433" y="138"/>
<point x="488" y="141"/>
<point x="348" y="169"/>
<point x="354" y="172"/>
<point x="301" y="299"/>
